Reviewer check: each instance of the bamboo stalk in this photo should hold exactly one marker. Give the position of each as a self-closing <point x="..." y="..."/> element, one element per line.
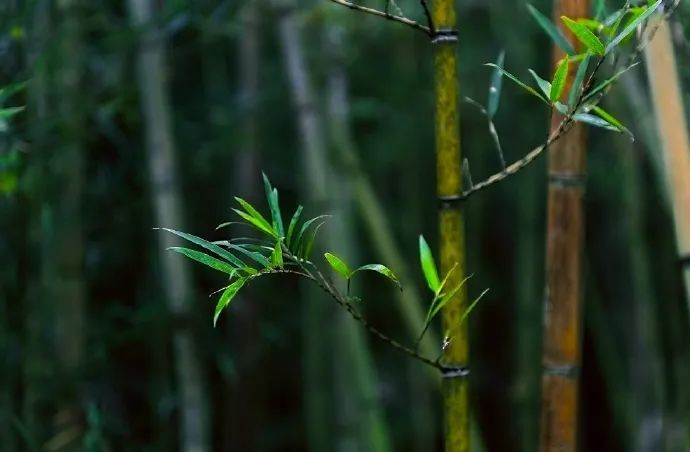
<point x="175" y="276"/>
<point x="667" y="100"/>
<point x="451" y="223"/>
<point x="564" y="246"/>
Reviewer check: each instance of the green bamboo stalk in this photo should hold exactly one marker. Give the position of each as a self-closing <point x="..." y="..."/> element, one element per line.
<point x="451" y="223"/>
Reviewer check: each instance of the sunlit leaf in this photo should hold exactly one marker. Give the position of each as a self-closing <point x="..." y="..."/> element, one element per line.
<point x="544" y="86"/>
<point x="227" y="297"/>
<point x="584" y="35"/>
<point x="428" y="266"/>
<point x="261" y="226"/>
<point x="556" y="35"/>
<point x="277" y="255"/>
<point x="308" y="244"/>
<point x="382" y="269"/>
<point x="558" y="82"/>
<point x="445" y="298"/>
<point x="612" y="120"/>
<point x="274" y="206"/>
<point x="297" y="243"/>
<point x="578" y="80"/>
<point x="495" y="87"/>
<point x="338" y="265"/>
<point x="527" y="88"/>
<point x="257" y="219"/>
<point x="445" y="279"/>
<point x="632" y="26"/>
<point x="205" y="259"/>
<point x="225" y="254"/>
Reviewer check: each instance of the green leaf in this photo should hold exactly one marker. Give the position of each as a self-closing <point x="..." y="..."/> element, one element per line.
<point x="445" y="279"/>
<point x="594" y="120"/>
<point x="225" y="254"/>
<point x="274" y="206"/>
<point x="495" y="87"/>
<point x="632" y="25"/>
<point x="527" y="88"/>
<point x="584" y="35"/>
<point x="227" y="297"/>
<point x="309" y="243"/>
<point x="556" y="35"/>
<point x="256" y="218"/>
<point x="608" y="81"/>
<point x="600" y="9"/>
<point x="338" y="265"/>
<point x="297" y="244"/>
<point x="428" y="266"/>
<point x="612" y="120"/>
<point x="291" y="227"/>
<point x="558" y="82"/>
<point x="205" y="259"/>
<point x="544" y="86"/>
<point x="7" y="113"/>
<point x="471" y="306"/>
<point x="256" y="223"/>
<point x="277" y="255"/>
<point x="577" y="81"/>
<point x="444" y="299"/>
<point x="594" y="25"/>
<point x="256" y="257"/>
<point x="385" y="271"/>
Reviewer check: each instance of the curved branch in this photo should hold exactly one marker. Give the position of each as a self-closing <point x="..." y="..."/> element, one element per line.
<point x="403" y="20"/>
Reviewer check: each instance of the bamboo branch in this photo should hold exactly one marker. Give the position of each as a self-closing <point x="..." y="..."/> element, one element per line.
<point x="403" y="20"/>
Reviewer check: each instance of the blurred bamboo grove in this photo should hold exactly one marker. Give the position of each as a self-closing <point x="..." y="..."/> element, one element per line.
<point x="120" y="117"/>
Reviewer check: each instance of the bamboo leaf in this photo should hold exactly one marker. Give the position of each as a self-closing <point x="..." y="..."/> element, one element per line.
<point x="612" y="120"/>
<point x="527" y="88"/>
<point x="584" y="35"/>
<point x="608" y="81"/>
<point x="8" y="112"/>
<point x="577" y="81"/>
<point x="205" y="259"/>
<point x="428" y="266"/>
<point x="382" y="269"/>
<point x="309" y="244"/>
<point x="445" y="279"/>
<point x="338" y="265"/>
<point x="445" y="298"/>
<point x="556" y="35"/>
<point x="291" y="227"/>
<point x="558" y="82"/>
<point x="262" y="227"/>
<point x="495" y="87"/>
<point x="596" y="121"/>
<point x="297" y="244"/>
<point x="274" y="206"/>
<point x="472" y="305"/>
<point x="225" y="254"/>
<point x="227" y="297"/>
<point x="632" y="25"/>
<point x="258" y="219"/>
<point x="544" y="86"/>
<point x="277" y="255"/>
<point x="253" y="255"/>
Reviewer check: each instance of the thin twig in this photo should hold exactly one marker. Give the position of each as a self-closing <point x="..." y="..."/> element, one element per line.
<point x="379" y="13"/>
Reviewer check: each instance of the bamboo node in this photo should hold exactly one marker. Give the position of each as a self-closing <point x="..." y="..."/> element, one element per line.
<point x="564" y="370"/>
<point x="455" y="371"/>
<point x="444" y="35"/>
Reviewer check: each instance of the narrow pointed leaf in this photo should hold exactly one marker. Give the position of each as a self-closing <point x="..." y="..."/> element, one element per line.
<point x="445" y="279"/>
<point x="225" y="254"/>
<point x="291" y="227"/>
<point x="608" y="81"/>
<point x="558" y="82"/>
<point x="632" y="26"/>
<point x="253" y="255"/>
<point x="613" y="121"/>
<point x="556" y="35"/>
<point x="277" y="255"/>
<point x="309" y="243"/>
<point x="577" y="81"/>
<point x="205" y="259"/>
<point x="596" y="121"/>
<point x="472" y="305"/>
<point x="7" y="113"/>
<point x="338" y="265"/>
<point x="297" y="243"/>
<point x="385" y="271"/>
<point x="445" y="298"/>
<point x="428" y="266"/>
<point x="256" y="215"/>
<point x="584" y="35"/>
<point x="227" y="297"/>
<point x="527" y="88"/>
<point x="274" y="206"/>
<point x="495" y="87"/>
<point x="544" y="86"/>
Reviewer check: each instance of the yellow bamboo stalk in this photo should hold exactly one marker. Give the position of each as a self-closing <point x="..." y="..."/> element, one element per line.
<point x="673" y="133"/>
<point x="451" y="224"/>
